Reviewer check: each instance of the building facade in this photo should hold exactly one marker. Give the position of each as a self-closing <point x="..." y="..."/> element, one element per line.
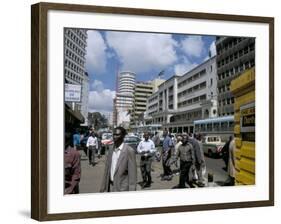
<point x="142" y="91"/>
<point x="123" y="102"/>
<point x="234" y="56"/>
<point x="183" y="99"/>
<point x="85" y="98"/>
<point x="75" y="42"/>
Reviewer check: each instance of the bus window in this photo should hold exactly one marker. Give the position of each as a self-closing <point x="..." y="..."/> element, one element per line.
<point x="224" y="126"/>
<point x="202" y="127"/>
<point x="231" y="126"/>
<point x="209" y="127"/>
<point x="216" y="126"/>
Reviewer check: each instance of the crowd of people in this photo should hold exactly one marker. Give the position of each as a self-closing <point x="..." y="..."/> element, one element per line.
<point x="184" y="153"/>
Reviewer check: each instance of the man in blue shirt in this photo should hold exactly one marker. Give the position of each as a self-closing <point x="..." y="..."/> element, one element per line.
<point x="76" y="139"/>
<point x="166" y="156"/>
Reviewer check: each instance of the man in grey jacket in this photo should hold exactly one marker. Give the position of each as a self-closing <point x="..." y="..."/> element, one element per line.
<point x="120" y="172"/>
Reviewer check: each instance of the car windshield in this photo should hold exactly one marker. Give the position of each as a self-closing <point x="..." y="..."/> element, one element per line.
<point x="106" y="136"/>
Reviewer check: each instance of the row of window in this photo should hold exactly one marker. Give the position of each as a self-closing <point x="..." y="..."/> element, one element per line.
<point x="236" y="69"/>
<point x="153" y="99"/>
<point x="74" y="57"/>
<point x="192" y="101"/>
<point x="76" y="49"/>
<point x="154" y="106"/>
<point x="200" y="86"/>
<point x="73" y="76"/>
<point x="186" y="116"/>
<point x="77" y="39"/>
<point x="226" y="101"/>
<point x="228" y="45"/>
<point x="236" y="55"/>
<point x="226" y="114"/>
<point x="192" y="78"/>
<point x="225" y="88"/>
<point x="73" y="66"/>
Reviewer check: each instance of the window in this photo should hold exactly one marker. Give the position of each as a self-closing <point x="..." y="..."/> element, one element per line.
<point x="211" y="81"/>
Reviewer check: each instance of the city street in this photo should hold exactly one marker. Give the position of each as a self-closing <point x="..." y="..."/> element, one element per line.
<point x="92" y="175"/>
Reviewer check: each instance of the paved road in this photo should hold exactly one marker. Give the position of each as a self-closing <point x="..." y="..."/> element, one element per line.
<point x="91" y="176"/>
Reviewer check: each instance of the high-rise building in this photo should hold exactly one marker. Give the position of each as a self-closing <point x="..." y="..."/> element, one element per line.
<point x="123" y="102"/>
<point x="75" y="42"/>
<point x="234" y="56"/>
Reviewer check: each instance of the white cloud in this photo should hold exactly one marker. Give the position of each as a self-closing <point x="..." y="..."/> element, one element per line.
<point x="97" y="85"/>
<point x="213" y="49"/>
<point x="186" y="66"/>
<point x="193" y="46"/>
<point x="101" y="101"/>
<point x="96" y="52"/>
<point x="141" y="52"/>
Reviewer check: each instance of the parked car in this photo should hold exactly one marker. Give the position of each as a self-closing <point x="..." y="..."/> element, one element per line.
<point x="132" y="141"/>
<point x="212" y="145"/>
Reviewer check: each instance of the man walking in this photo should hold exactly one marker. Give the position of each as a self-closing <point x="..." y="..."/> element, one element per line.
<point x="92" y="145"/>
<point x="146" y="149"/>
<point x="200" y="163"/>
<point x="186" y="154"/>
<point x="120" y="173"/>
<point x="166" y="156"/>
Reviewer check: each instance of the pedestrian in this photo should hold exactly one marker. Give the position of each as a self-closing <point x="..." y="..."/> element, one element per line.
<point x="120" y="172"/>
<point x="166" y="156"/>
<point x="99" y="144"/>
<point x="92" y="145"/>
<point x="76" y="139"/>
<point x="231" y="165"/>
<point x="72" y="168"/>
<point x="225" y="153"/>
<point x="146" y="149"/>
<point x="178" y="143"/>
<point x="156" y="139"/>
<point x="179" y="138"/>
<point x="200" y="164"/>
<point x="186" y="154"/>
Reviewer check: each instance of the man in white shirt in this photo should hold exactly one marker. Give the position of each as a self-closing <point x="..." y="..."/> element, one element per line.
<point x="120" y="172"/>
<point x="92" y="145"/>
<point x="146" y="149"/>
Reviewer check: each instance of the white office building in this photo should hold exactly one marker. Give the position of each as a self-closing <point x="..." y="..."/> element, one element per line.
<point x="182" y="99"/>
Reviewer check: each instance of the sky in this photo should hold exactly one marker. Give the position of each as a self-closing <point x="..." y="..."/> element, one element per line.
<point x="145" y="54"/>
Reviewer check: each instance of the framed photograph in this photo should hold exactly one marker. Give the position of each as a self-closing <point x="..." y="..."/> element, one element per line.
<point x="140" y="111"/>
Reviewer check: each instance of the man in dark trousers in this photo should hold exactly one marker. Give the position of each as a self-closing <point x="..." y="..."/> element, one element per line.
<point x="72" y="168"/>
<point x="166" y="156"/>
<point x="146" y="149"/>
<point x="199" y="158"/>
<point x="225" y="152"/>
<point x="120" y="172"/>
<point x="186" y="154"/>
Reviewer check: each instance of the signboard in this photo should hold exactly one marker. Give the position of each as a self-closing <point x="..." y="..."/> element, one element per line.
<point x="72" y="93"/>
<point x="247" y="117"/>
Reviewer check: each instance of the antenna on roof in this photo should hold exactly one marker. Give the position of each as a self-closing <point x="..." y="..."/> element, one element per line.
<point x="161" y="73"/>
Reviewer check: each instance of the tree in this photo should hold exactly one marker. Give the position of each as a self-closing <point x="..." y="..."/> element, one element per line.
<point x="97" y="120"/>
